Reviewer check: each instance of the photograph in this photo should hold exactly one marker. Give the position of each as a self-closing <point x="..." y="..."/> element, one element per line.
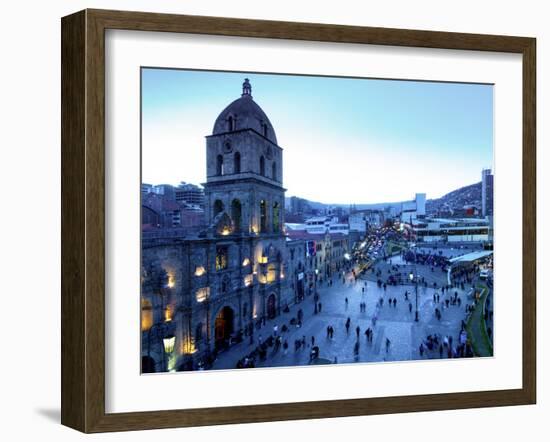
<point x="292" y="220"/>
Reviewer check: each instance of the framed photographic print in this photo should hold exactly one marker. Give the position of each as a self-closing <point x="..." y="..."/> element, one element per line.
<point x="267" y="221"/>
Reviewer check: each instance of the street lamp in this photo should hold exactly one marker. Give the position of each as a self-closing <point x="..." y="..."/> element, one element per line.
<point x="168" y="343"/>
<point x="415" y="278"/>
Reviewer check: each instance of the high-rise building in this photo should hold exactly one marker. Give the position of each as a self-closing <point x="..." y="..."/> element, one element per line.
<point x="486" y="193"/>
<point x="190" y="194"/>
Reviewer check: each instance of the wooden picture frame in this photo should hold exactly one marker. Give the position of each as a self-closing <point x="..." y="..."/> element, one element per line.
<point x="83" y="220"/>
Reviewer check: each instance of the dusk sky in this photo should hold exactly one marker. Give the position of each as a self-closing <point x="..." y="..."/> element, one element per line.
<point x="344" y="140"/>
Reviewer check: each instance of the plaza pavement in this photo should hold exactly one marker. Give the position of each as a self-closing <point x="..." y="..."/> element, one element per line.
<point x="396" y="324"/>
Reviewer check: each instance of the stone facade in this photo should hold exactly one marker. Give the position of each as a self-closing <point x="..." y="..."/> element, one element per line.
<point x="207" y="292"/>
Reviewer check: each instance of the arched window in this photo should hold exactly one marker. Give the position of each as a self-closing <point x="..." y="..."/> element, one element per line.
<point x="230" y="124"/>
<point x="218" y="207"/>
<point x="237" y="163"/>
<point x="236" y="214"/>
<point x="219" y="165"/>
<point x="263" y="216"/>
<point x="276" y="217"/>
<point x="274" y="171"/>
<point x="262" y="166"/>
<point x="264" y="129"/>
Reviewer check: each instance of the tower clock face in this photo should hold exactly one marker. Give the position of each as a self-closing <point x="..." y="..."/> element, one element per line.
<point x="227" y="148"/>
<point x="269" y="153"/>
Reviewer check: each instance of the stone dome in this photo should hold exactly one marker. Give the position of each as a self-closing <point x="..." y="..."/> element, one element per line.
<point x="244" y="113"/>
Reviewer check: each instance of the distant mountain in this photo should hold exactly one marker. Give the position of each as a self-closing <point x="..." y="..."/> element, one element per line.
<point x="456" y="200"/>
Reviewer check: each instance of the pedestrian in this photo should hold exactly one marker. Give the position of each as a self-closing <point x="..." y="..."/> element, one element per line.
<point x="312" y="341"/>
<point x="440" y="351"/>
<point x="285" y="346"/>
<point x="328" y="331"/>
<point x="347" y="301"/>
<point x="347" y="325"/>
<point x="275" y="329"/>
<point x="394" y="302"/>
<point x="320" y="307"/>
<point x="357" y="331"/>
<point x="410" y="307"/>
<point x="388" y="343"/>
<point x="421" y="349"/>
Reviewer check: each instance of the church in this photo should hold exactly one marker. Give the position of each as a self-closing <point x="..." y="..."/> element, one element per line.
<point x="204" y="291"/>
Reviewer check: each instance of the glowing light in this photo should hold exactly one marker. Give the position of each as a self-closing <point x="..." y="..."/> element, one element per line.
<point x="168" y="313"/>
<point x="246" y="262"/>
<point x="171" y="281"/>
<point x="199" y="271"/>
<point x="169" y="342"/>
<point x="263" y="260"/>
<point x="226" y="231"/>
<point x="347" y="256"/>
<point x="146" y="315"/>
<point x="188" y="348"/>
<point x="248" y="279"/>
<point x="202" y="294"/>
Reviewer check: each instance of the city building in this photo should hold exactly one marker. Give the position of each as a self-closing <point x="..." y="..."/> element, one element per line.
<point x="486" y="193"/>
<point x="146" y="188"/>
<point x="166" y="190"/>
<point x="190" y="194"/>
<point x="320" y="225"/>
<point x="361" y="220"/>
<point x="326" y="253"/>
<point x="451" y="230"/>
<point x="209" y="291"/>
<point x="411" y="210"/>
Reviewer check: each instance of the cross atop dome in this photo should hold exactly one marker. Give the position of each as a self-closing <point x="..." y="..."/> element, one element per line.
<point x="247" y="88"/>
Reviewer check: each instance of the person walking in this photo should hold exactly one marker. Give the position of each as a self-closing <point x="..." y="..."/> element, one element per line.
<point x="348" y="322"/>
<point x="388" y="343"/>
<point x="394" y="302"/>
<point x="357" y="331"/>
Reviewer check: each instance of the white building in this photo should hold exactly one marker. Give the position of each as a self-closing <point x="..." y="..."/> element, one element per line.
<point x="451" y="230"/>
<point x="361" y="220"/>
<point x="411" y="210"/>
<point x="320" y="225"/>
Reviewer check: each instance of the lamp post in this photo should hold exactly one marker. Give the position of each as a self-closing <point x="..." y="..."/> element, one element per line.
<point x="414" y="277"/>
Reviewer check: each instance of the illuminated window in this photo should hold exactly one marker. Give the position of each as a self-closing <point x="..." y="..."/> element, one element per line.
<point x="221" y="258"/>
